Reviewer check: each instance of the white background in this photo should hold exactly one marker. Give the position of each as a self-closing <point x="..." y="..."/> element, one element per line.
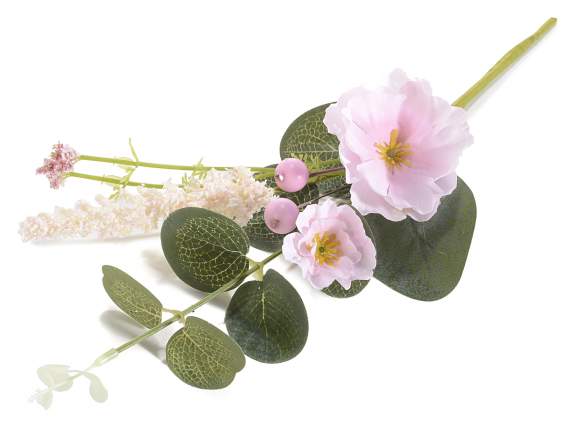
<point x="222" y="81"/>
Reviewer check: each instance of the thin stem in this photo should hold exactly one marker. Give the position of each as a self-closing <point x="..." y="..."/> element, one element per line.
<point x="113" y="180"/>
<point x="119" y="161"/>
<point x="333" y="191"/>
<point x="262" y="176"/>
<point x="327" y="171"/>
<point x="196" y="305"/>
<point x="503" y="65"/>
<point x="333" y="171"/>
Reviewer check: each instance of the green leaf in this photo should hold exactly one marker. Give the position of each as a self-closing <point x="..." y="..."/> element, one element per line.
<point x="205" y="249"/>
<point x="132" y="297"/>
<point x="268" y="319"/>
<point x="330" y="183"/>
<point x="260" y="236"/>
<point x="203" y="356"/>
<point x="307" y="138"/>
<point x="425" y="260"/>
<point x="337" y="291"/>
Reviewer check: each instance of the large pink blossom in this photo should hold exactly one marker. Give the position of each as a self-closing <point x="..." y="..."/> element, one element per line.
<point x="60" y="162"/>
<point x="400" y="146"/>
<point x="331" y="244"/>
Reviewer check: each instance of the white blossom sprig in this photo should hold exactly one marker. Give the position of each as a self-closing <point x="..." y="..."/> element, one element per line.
<point x="233" y="193"/>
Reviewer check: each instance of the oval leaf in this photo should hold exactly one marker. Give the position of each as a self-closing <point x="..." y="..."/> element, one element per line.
<point x="97" y="390"/>
<point x="204" y="356"/>
<point x="425" y="260"/>
<point x="44" y="398"/>
<point x="132" y="297"/>
<point x="268" y="319"/>
<point x="308" y="139"/>
<point x="56" y="377"/>
<point x="205" y="249"/>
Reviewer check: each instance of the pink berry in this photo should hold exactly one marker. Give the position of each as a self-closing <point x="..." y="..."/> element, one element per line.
<point x="280" y="215"/>
<point x="291" y="175"/>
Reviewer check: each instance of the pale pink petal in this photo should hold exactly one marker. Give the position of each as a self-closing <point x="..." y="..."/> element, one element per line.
<point x="350" y="160"/>
<point x="447" y="183"/>
<point x="339" y="232"/>
<point x="431" y="136"/>
<point x="290" y="247"/>
<point x="413" y="190"/>
<point x="436" y="162"/>
<point x="416" y="114"/>
<point x="397" y="79"/>
<point x="366" y="201"/>
<point x="377" y="175"/>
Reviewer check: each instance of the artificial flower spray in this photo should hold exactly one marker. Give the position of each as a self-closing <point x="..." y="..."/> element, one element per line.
<point x="366" y="188"/>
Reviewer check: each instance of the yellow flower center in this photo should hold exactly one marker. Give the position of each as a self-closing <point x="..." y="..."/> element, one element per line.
<point x="327" y="248"/>
<point x="395" y="153"/>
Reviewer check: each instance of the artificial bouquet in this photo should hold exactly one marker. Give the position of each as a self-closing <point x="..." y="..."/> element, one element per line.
<point x="367" y="187"/>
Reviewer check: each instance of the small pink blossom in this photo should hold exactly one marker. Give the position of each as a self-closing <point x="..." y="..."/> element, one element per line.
<point x="331" y="245"/>
<point x="61" y="161"/>
<point x="400" y="146"/>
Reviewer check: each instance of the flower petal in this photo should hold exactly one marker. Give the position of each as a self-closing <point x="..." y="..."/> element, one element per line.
<point x="376" y="174"/>
<point x="366" y="201"/>
<point x="431" y="138"/>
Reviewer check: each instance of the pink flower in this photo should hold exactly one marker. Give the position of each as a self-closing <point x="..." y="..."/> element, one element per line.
<point x="331" y="245"/>
<point x="400" y="146"/>
<point x="55" y="167"/>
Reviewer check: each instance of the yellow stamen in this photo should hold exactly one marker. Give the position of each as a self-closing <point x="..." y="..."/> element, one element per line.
<point x="327" y="248"/>
<point x="395" y="154"/>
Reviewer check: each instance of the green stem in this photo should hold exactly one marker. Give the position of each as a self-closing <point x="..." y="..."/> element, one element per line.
<point x="315" y="178"/>
<point x="178" y="315"/>
<point x="112" y="180"/>
<point x="119" y="161"/>
<point x="192" y="308"/>
<point x="328" y="171"/>
<point x="503" y="65"/>
<point x="334" y="171"/>
<point x="333" y="191"/>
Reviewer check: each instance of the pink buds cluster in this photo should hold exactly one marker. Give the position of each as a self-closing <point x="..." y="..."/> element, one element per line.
<point x="291" y="175"/>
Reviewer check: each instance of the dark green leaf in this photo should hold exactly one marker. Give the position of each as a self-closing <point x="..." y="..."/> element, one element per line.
<point x="425" y="260"/>
<point x="268" y="319"/>
<point x="205" y="249"/>
<point x="307" y="138"/>
<point x="337" y="291"/>
<point x="260" y="236"/>
<point x="330" y="183"/>
<point x="204" y="356"/>
<point x="132" y="297"/>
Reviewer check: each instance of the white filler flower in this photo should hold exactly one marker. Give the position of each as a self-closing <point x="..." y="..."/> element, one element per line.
<point x="233" y="193"/>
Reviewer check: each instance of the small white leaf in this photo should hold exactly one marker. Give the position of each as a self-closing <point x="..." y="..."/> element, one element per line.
<point x="56" y="377"/>
<point x="44" y="398"/>
<point x="96" y="388"/>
